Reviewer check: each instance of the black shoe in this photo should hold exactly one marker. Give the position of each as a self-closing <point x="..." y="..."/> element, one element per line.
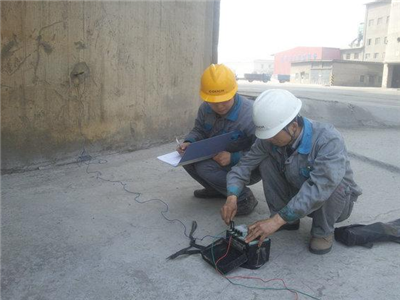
<point x="204" y="193"/>
<point x="293" y="226"/>
<point x="246" y="206"/>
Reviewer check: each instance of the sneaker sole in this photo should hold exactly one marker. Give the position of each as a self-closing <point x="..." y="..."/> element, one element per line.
<point x="320" y="252"/>
<point x="207" y="195"/>
<point x="210" y="197"/>
<point x="290" y="227"/>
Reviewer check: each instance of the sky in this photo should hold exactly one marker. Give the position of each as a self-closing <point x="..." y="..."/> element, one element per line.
<point x="256" y="29"/>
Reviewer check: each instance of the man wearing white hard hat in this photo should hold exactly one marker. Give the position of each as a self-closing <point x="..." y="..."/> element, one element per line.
<point x="304" y="168"/>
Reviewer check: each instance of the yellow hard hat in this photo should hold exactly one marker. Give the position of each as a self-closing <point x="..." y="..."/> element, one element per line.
<point x="218" y="84"/>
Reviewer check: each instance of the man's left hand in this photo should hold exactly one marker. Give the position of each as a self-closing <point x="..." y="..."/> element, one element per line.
<point x="223" y="158"/>
<point x="264" y="228"/>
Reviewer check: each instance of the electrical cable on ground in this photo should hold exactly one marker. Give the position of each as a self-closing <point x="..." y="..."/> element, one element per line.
<point x="86" y="159"/>
<point x="228" y="278"/>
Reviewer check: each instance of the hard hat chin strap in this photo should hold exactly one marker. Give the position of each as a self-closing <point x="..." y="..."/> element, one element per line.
<point x="292" y="136"/>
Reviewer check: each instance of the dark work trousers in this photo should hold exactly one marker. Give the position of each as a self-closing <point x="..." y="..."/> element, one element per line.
<point x="278" y="192"/>
<point x="213" y="177"/>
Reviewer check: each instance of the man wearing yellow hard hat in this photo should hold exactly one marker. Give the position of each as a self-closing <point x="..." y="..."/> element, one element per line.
<point x="222" y="111"/>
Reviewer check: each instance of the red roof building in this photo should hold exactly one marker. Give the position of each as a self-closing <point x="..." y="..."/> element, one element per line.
<point x="284" y="59"/>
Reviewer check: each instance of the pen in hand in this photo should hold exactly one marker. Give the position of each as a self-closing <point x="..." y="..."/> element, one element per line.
<point x="181" y="146"/>
<point x="179" y="149"/>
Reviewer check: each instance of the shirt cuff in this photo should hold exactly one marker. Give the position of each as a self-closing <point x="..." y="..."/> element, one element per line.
<point x="288" y="215"/>
<point x="235" y="157"/>
<point x="233" y="190"/>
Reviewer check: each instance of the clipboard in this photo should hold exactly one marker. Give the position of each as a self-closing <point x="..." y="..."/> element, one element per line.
<point x="199" y="151"/>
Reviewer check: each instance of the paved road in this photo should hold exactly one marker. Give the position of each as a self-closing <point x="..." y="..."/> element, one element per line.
<point x="374" y="96"/>
<point x="345" y="107"/>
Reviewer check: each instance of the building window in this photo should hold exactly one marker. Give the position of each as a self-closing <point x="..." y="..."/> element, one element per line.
<point x="379" y="79"/>
<point x="376" y="55"/>
<point x="371" y="22"/>
<point x="355" y="55"/>
<point x="377" y="41"/>
<point x="379" y="21"/>
<point x="369" y="42"/>
<point x="385" y="41"/>
<point x="371" y="79"/>
<point x="348" y="56"/>
<point x="362" y="78"/>
<point x="387" y="19"/>
<point x="367" y="55"/>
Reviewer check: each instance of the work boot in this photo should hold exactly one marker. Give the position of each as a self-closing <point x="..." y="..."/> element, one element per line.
<point x="205" y="193"/>
<point x="246" y="206"/>
<point x="290" y="227"/>
<point x="321" y="245"/>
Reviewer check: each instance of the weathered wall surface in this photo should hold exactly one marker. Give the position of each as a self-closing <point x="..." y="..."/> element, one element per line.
<point x="348" y="74"/>
<point x="99" y="75"/>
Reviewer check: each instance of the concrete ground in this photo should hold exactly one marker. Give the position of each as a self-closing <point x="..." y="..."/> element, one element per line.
<point x="68" y="234"/>
<point x="80" y="232"/>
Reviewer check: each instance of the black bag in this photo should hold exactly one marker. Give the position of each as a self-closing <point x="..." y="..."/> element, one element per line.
<point x="366" y="235"/>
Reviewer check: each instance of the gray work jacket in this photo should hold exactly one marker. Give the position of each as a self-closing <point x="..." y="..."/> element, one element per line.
<point x="316" y="168"/>
<point x="238" y="120"/>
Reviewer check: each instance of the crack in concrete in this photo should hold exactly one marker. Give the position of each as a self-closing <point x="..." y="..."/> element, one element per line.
<point x="375" y="219"/>
<point x="375" y="163"/>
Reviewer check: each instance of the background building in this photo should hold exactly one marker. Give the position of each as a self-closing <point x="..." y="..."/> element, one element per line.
<point x="356" y="47"/>
<point x="377" y="19"/>
<point x="283" y="60"/>
<point x="352" y="54"/>
<point x="391" y="70"/>
<point x="338" y="72"/>
<point x="382" y="39"/>
<point x="372" y="59"/>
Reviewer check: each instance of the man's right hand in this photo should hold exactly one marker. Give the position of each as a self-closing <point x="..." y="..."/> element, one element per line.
<point x="228" y="211"/>
<point x="182" y="147"/>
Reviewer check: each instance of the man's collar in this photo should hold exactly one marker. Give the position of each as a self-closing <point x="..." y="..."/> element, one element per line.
<point x="234" y="111"/>
<point x="298" y="140"/>
<point x="305" y="143"/>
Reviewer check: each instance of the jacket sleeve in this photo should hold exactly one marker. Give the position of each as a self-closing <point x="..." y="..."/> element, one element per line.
<point x="240" y="175"/>
<point x="197" y="133"/>
<point x="327" y="172"/>
<point x="249" y="130"/>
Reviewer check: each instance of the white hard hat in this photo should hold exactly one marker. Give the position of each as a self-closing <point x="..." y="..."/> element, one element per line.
<point x="273" y="110"/>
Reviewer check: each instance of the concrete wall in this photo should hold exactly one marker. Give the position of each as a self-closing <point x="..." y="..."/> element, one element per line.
<point x="300" y="73"/>
<point x="101" y="75"/>
<point x="348" y="74"/>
